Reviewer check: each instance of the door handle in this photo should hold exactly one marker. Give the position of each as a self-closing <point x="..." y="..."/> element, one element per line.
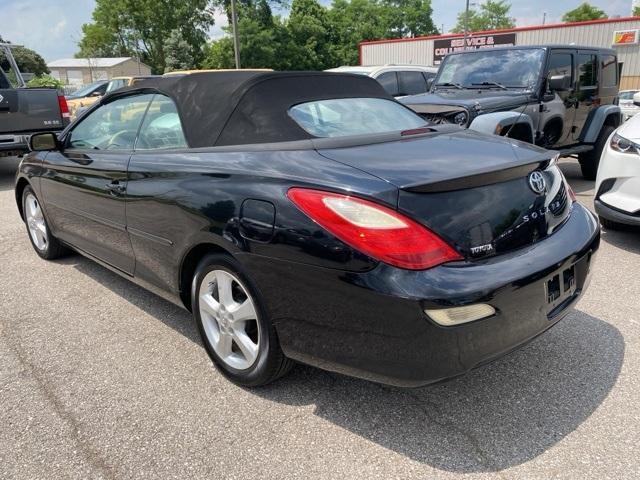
<point x="115" y="187"/>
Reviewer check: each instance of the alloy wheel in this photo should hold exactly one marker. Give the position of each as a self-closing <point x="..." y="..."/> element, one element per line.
<point x="230" y="319"/>
<point x="35" y="222"/>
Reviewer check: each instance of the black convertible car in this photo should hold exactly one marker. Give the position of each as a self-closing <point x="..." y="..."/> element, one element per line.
<point x="311" y="217"/>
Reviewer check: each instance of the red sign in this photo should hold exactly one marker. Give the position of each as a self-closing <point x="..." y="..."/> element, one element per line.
<point x="625" y="37"/>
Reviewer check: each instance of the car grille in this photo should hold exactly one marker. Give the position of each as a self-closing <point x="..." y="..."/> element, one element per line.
<point x="437" y="119"/>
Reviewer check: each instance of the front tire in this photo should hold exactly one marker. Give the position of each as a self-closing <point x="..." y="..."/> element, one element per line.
<point x="42" y="240"/>
<point x="233" y="323"/>
<point x="589" y="161"/>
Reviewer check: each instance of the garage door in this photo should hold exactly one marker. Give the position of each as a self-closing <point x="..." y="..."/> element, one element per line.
<point x="74" y="77"/>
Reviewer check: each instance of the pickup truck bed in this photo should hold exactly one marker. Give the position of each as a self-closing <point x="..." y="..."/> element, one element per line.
<point x="24" y="111"/>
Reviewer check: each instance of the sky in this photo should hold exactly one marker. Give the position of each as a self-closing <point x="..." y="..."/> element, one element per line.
<point x="52" y="27"/>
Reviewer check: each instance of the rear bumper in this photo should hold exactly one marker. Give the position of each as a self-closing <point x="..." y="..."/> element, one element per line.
<point x="372" y="325"/>
<point x="14" y="144"/>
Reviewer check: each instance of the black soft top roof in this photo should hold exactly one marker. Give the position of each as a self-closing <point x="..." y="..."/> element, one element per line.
<point x="244" y="107"/>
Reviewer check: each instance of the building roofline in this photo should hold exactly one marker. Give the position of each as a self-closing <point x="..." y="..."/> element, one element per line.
<point x="504" y="30"/>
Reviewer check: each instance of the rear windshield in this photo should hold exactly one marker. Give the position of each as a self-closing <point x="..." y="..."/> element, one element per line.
<point x="353" y="116"/>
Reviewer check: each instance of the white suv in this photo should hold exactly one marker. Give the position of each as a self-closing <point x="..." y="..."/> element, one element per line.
<point x="397" y="80"/>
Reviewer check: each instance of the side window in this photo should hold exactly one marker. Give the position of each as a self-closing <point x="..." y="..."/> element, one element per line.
<point x="102" y="89"/>
<point x="115" y="85"/>
<point x="389" y="82"/>
<point x="113" y="126"/>
<point x="411" y="83"/>
<point x="161" y="128"/>
<point x="561" y="64"/>
<point x="428" y="75"/>
<point x="588" y="70"/>
<point x="609" y="71"/>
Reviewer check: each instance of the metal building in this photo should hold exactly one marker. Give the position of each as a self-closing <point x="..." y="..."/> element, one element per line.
<point x="622" y="34"/>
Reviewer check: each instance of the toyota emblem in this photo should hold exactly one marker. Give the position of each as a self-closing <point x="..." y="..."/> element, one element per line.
<point x="537" y="182"/>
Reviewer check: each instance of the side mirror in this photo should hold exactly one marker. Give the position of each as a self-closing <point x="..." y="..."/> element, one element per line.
<point x="42" y="142"/>
<point x="636" y="99"/>
<point x="96" y="94"/>
<point x="559" y="83"/>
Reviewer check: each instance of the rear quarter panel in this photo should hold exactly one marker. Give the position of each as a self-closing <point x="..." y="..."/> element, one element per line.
<point x="176" y="201"/>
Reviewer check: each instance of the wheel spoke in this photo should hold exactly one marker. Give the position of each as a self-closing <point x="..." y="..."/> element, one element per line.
<point x="246" y="345"/>
<point x="209" y="305"/>
<point x="224" y="281"/>
<point x="224" y="345"/>
<point x="42" y="239"/>
<point x="243" y="311"/>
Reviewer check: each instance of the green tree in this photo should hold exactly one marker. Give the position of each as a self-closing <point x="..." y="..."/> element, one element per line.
<point x="353" y="21"/>
<point x="178" y="53"/>
<point x="410" y="18"/>
<point x="583" y="13"/>
<point x="27" y="60"/>
<point x="264" y="43"/>
<point x="308" y="35"/>
<point x="316" y="37"/>
<point x="492" y="15"/>
<point x="126" y="27"/>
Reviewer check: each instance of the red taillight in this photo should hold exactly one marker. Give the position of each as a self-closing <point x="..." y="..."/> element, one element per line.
<point x="64" y="108"/>
<point x="377" y="231"/>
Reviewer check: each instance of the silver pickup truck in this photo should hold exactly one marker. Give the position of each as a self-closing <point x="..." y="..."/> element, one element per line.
<point x="24" y="111"/>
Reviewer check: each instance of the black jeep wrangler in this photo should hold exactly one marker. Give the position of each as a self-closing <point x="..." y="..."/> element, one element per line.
<point x="558" y="97"/>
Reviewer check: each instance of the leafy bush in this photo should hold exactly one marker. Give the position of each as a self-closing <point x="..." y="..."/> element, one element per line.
<point x="46" y="81"/>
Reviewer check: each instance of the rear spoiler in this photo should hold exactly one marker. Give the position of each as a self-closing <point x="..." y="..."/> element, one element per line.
<point x="482" y="178"/>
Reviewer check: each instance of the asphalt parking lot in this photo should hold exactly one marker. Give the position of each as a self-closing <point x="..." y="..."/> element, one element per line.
<point x="101" y="379"/>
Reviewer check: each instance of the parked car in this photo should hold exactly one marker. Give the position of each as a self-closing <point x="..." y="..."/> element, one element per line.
<point x="397" y="80"/>
<point x="617" y="199"/>
<point x="558" y="97"/>
<point x="24" y="111"/>
<point x="309" y="216"/>
<point x="85" y="97"/>
<point x="120" y="82"/>
<point x="627" y="107"/>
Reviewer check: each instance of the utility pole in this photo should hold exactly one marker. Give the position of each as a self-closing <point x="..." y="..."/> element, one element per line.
<point x="234" y="26"/>
<point x="544" y="17"/>
<point x="466" y="24"/>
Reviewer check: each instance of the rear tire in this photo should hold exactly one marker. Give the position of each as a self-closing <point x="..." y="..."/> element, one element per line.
<point x="44" y="243"/>
<point x="234" y="325"/>
<point x="589" y="161"/>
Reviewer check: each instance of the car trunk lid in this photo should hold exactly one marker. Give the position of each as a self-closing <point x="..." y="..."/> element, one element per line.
<point x="478" y="194"/>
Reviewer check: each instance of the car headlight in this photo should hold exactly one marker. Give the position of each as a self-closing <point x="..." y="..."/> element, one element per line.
<point x="622" y="145"/>
<point x="460" y="118"/>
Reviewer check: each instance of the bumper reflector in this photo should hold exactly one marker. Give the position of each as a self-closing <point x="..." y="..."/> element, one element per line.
<point x="457" y="315"/>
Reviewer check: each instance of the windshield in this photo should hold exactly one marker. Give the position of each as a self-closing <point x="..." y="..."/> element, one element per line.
<point x="519" y="68"/>
<point x="353" y="116"/>
<point x="83" y="92"/>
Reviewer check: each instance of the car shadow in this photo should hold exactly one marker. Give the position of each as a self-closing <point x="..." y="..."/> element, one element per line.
<point x="8" y="168"/>
<point x="627" y="238"/>
<point x="498" y="416"/>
